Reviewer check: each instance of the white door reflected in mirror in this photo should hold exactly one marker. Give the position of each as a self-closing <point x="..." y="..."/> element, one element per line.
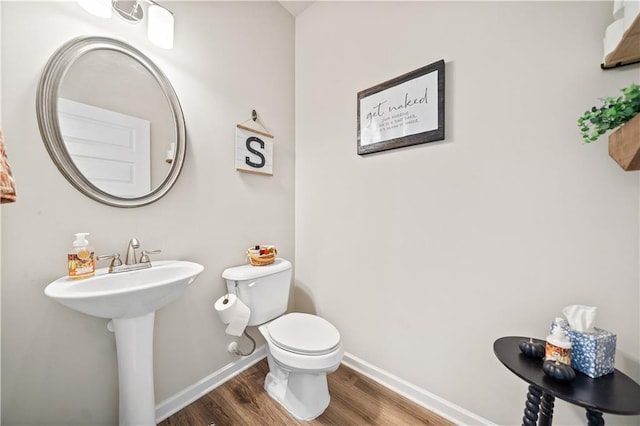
<point x="110" y="149"/>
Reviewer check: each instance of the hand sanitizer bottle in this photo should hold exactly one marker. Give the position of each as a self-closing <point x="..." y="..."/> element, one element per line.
<point x="80" y="259"/>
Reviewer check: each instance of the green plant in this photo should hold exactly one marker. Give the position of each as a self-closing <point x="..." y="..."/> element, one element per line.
<point x="613" y="113"/>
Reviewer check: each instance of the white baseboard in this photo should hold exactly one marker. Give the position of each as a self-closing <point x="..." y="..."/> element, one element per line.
<point x="420" y="396"/>
<point x="196" y="391"/>
<point x="432" y="402"/>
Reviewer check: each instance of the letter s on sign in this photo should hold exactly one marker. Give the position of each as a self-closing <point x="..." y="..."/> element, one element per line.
<point x="256" y="152"/>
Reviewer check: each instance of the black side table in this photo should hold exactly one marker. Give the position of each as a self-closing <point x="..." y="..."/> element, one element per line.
<point x="614" y="393"/>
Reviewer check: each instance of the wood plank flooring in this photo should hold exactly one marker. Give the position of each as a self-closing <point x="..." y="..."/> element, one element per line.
<point x="355" y="400"/>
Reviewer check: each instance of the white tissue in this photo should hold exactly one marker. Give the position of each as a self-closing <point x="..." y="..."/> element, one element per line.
<point x="232" y="311"/>
<point x="581" y="318"/>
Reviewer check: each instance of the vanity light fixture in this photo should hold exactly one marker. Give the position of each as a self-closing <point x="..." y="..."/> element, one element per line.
<point x="159" y="18"/>
<point x="160" y="26"/>
<point x="99" y="8"/>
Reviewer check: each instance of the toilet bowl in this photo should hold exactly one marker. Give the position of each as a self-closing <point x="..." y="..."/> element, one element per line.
<point x="301" y="350"/>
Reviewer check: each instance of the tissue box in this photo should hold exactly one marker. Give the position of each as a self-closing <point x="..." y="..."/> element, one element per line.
<point x="592" y="353"/>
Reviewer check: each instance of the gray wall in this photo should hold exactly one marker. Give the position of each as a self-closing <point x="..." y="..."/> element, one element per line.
<point x="422" y="257"/>
<point x="59" y="366"/>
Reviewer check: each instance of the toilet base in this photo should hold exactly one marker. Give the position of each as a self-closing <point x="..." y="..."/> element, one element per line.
<point x="304" y="394"/>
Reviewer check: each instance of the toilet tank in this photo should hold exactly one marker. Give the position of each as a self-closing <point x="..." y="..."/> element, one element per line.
<point x="264" y="289"/>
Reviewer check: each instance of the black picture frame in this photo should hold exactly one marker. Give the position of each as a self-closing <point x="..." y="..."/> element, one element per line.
<point x="400" y="112"/>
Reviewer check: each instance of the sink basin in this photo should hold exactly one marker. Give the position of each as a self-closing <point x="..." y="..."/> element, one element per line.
<point x="130" y="299"/>
<point x="126" y="294"/>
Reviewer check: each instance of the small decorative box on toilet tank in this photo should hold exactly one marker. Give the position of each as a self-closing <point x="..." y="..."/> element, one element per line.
<point x="592" y="353"/>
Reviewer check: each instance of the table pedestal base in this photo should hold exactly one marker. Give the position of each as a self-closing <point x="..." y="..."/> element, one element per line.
<point x="546" y="409"/>
<point x="532" y="407"/>
<point x="538" y="402"/>
<point x="542" y="403"/>
<point x="594" y="418"/>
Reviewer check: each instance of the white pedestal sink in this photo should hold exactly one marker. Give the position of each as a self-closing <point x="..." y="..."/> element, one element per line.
<point x="130" y="300"/>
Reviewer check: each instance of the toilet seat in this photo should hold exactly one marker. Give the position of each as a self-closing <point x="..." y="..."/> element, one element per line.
<point x="304" y="334"/>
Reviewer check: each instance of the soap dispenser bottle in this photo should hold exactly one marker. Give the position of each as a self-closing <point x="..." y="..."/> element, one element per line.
<point x="558" y="347"/>
<point x="81" y="258"/>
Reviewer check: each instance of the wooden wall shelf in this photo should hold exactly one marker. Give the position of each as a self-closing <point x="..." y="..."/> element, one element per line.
<point x="628" y="50"/>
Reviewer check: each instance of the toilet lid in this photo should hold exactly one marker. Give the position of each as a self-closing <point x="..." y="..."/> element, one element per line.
<point x="304" y="333"/>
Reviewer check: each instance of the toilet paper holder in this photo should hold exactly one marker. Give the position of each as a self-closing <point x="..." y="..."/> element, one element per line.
<point x="233" y="347"/>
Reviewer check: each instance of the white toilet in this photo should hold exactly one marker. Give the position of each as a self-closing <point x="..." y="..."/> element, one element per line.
<point x="301" y="348"/>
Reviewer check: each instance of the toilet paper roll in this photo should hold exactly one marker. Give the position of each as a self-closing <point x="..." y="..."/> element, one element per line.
<point x="232" y="311"/>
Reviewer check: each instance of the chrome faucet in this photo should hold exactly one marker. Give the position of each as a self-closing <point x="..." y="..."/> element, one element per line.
<point x="130" y="262"/>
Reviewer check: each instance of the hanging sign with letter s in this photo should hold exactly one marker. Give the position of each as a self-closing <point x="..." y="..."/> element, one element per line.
<point x="254" y="151"/>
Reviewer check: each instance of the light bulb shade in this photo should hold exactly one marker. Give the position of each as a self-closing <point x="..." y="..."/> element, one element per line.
<point x="160" y="26"/>
<point x="99" y="8"/>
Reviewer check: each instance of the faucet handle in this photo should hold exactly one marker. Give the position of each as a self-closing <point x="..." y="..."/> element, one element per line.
<point x="115" y="262"/>
<point x="145" y="258"/>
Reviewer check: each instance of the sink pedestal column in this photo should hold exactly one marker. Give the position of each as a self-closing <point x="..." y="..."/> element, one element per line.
<point x="134" y="347"/>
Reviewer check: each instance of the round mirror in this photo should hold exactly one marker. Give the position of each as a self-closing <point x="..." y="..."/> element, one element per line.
<point x="111" y="122"/>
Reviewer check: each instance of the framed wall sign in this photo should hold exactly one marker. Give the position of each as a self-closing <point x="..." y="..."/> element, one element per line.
<point x="254" y="151"/>
<point x="407" y="110"/>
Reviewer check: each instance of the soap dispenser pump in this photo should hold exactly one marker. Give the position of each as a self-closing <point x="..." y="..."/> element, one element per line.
<point x="81" y="262"/>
